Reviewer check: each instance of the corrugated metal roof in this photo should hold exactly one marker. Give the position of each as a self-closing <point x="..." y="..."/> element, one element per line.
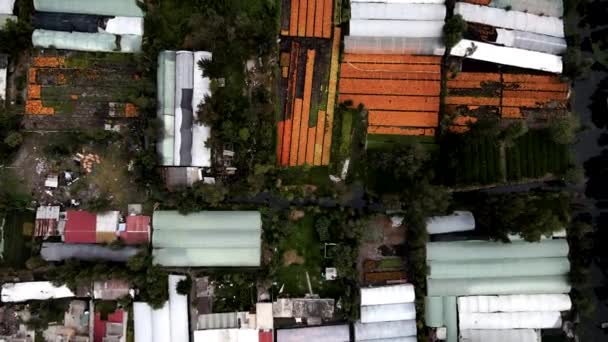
<point x="52" y="251"/>
<point x="265" y="336"/>
<point x="100" y="326"/>
<point x="80" y="227"/>
<point x="137" y="230"/>
<point x="126" y="8"/>
<point x="110" y="289"/>
<point x="225" y="320"/>
<point x="384" y="330"/>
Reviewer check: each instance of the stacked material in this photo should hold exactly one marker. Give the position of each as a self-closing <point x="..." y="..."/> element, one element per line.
<point x="387" y="312"/>
<point x="519" y="285"/>
<point x="6" y="14"/>
<point x="396" y="27"/>
<point x="212" y="238"/>
<point x="167" y="324"/>
<point x="521" y="33"/>
<point x="182" y="87"/>
<point x="103" y="26"/>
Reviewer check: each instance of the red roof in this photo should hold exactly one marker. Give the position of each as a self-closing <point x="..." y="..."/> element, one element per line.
<point x="265" y="336"/>
<point x="99" y="326"/>
<point x="80" y="227"/>
<point x="137" y="230"/>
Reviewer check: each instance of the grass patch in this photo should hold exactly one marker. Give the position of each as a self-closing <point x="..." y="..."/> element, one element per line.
<point x="14" y="249"/>
<point x="385" y="264"/>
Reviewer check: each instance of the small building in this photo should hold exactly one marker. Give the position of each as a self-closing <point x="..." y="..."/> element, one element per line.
<point x="80" y="227"/>
<point x="137" y="230"/>
<point x="111" y="329"/>
<point x="333" y="333"/>
<point x="35" y="290"/>
<point x="47" y="221"/>
<point x="55" y="251"/>
<point x="111" y="289"/>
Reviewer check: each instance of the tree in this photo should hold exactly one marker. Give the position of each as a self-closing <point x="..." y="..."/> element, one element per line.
<point x="13" y="139"/>
<point x="563" y="130"/>
<point x="184" y="286"/>
<point x="575" y="175"/>
<point x="453" y="30"/>
<point x="12" y="194"/>
<point x="322" y="225"/>
<point x="100" y="203"/>
<point x="514" y="131"/>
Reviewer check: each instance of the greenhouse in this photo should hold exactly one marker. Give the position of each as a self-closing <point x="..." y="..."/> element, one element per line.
<point x="394" y="45"/>
<point x="80" y="41"/>
<point x="550" y="8"/>
<point x="397" y="11"/>
<point x="531" y="41"/>
<point x="459" y="221"/>
<point x="125" y="8"/>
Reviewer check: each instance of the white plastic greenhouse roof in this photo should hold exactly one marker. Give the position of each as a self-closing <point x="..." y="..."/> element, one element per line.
<point x="510" y="320"/>
<point x="36" y="290"/>
<point x="393" y="294"/>
<point x="178" y="309"/>
<point x="498" y="286"/>
<point x="151" y="325"/>
<point x="520" y="21"/>
<point x="125" y="25"/>
<point x="125" y="8"/>
<point x="394" y="45"/>
<point x="397" y="11"/>
<point x="508" y="56"/>
<point x="388" y="312"/>
<point x="6" y="6"/>
<point x="3" y="83"/>
<point x="531" y="41"/>
<point x="511" y="335"/>
<point x="515" y="303"/>
<point x="384" y="330"/>
<point x="396" y="28"/>
<point x="182" y="145"/>
<point x="201" y="154"/>
<point x="81" y="41"/>
<point x="459" y="221"/>
<point x="551" y="8"/>
<point x="333" y="333"/>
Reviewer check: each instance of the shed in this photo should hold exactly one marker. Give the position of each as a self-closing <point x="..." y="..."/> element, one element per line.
<point x="54" y="251"/>
<point x="126" y="8"/>
<point x="110" y="289"/>
<point x="333" y="333"/>
<point x="111" y="327"/>
<point x="459" y="221"/>
<point x="80" y="227"/>
<point x="137" y="230"/>
<point x="209" y="238"/>
<point x="36" y="290"/>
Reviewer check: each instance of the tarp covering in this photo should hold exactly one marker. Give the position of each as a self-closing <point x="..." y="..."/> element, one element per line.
<point x="497" y="286"/>
<point x="394" y="45"/>
<point x="393" y="294"/>
<point x="125" y="25"/>
<point x="512" y="335"/>
<point x="515" y="303"/>
<point x="397" y="11"/>
<point x="531" y="41"/>
<point x="333" y="333"/>
<point x="54" y="251"/>
<point x="520" y="21"/>
<point x="166" y="104"/>
<point x="126" y="8"/>
<point x="499" y="268"/>
<point x="101" y="42"/>
<point x="396" y="28"/>
<point x="384" y="330"/>
<point x="433" y="312"/>
<point x="389" y="312"/>
<point x="182" y="150"/>
<point x="178" y="309"/>
<point x="201" y="154"/>
<point x="459" y="221"/>
<point x="510" y="320"/>
<point x="472" y="250"/>
<point x="7" y="6"/>
<point x="450" y="316"/>
<point x="67" y="22"/>
<point x="130" y="43"/>
<point x="551" y="8"/>
<point x="508" y="56"/>
<point x="36" y="290"/>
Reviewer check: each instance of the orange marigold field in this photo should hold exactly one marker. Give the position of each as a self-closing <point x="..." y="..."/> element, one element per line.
<point x="409" y="59"/>
<point x="403" y="119"/>
<point x="35" y="107"/>
<point x="348" y="70"/>
<point x="464" y="120"/>
<point x="31" y="75"/>
<point x="511" y="113"/>
<point x="542" y="95"/>
<point x="33" y="91"/>
<point x="48" y="62"/>
<point x="475" y="76"/>
<point x="471" y="100"/>
<point x="387" y="102"/>
<point x="389" y="87"/>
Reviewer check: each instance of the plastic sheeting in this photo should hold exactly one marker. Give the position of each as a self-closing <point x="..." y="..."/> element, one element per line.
<point x="178" y="309"/>
<point x="397" y="11"/>
<point x="182" y="151"/>
<point x="125" y="8"/>
<point x="125" y="25"/>
<point x="55" y="251"/>
<point x="389" y="312"/>
<point x="210" y="239"/>
<point x="101" y="42"/>
<point x="393" y="294"/>
<point x="550" y="8"/>
<point x="531" y="41"/>
<point x="384" y="330"/>
<point x="151" y="325"/>
<point x="36" y="290"/>
<point x="394" y="45"/>
<point x="520" y="21"/>
<point x="433" y="312"/>
<point x="515" y="303"/>
<point x="498" y="286"/>
<point x="208" y="220"/>
<point x="510" y="320"/>
<point x="130" y="43"/>
<point x="508" y="56"/>
<point x="450" y="316"/>
<point x="7" y="6"/>
<point x="209" y="257"/>
<point x="166" y="104"/>
<point x="333" y="333"/>
<point x="201" y="154"/>
<point x="396" y="28"/>
<point x="67" y="22"/>
<point x="162" y="329"/>
<point x="489" y="268"/>
<point x="472" y="250"/>
<point x="459" y="221"/>
<point x="512" y="335"/>
<point x="226" y="335"/>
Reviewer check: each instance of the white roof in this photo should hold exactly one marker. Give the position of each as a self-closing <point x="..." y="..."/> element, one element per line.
<point x="178" y="309"/>
<point x="459" y="221"/>
<point x="513" y="335"/>
<point x="510" y="320"/>
<point x="142" y="322"/>
<point x="226" y="335"/>
<point x="161" y="319"/>
<point x="508" y="56"/>
<point x="370" y="10"/>
<point x="396" y="28"/>
<point x="3" y="83"/>
<point x="521" y="21"/>
<point x="201" y="155"/>
<point x="384" y="330"/>
<point x="48" y="212"/>
<point x="531" y="41"/>
<point x="264" y="317"/>
<point x="6" y="6"/>
<point x="394" y="45"/>
<point x="37" y="290"/>
<point x="515" y="303"/>
<point x="183" y="81"/>
<point x="125" y="25"/>
<point x="107" y="221"/>
<point x="389" y="312"/>
<point x="393" y="294"/>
